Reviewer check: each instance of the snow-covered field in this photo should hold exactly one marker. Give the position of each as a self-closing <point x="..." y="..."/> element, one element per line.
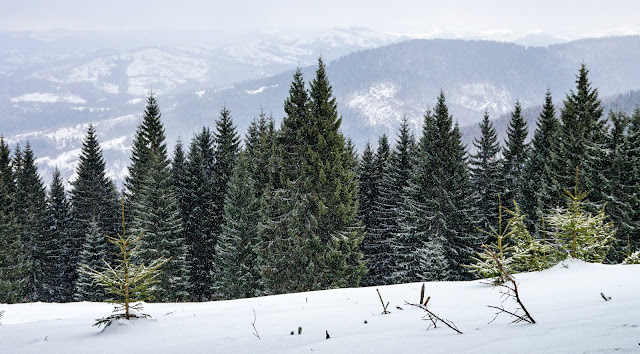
<point x="565" y="301"/>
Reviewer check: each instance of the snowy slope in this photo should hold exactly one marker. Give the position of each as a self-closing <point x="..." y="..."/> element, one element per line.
<point x="565" y="301"/>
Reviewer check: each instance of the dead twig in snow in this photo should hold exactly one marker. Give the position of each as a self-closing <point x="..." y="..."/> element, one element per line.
<point x="435" y="318"/>
<point x="509" y="291"/>
<point x="255" y="330"/>
<point x="384" y="307"/>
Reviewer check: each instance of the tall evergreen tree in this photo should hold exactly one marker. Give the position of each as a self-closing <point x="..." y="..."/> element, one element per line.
<point x="237" y="249"/>
<point x="333" y="187"/>
<point x="199" y="225"/>
<point x="30" y="205"/>
<point x="439" y="205"/>
<point x="621" y="194"/>
<point x="154" y="208"/>
<point x="485" y="166"/>
<point x="13" y="264"/>
<point x="94" y="201"/>
<point x="376" y="247"/>
<point x="515" y="156"/>
<point x="149" y="137"/>
<point x="541" y="192"/>
<point x="393" y="192"/>
<point x="58" y="258"/>
<point x="368" y="186"/>
<point x="581" y="136"/>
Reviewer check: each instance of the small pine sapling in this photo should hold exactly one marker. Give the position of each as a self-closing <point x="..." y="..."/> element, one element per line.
<point x="529" y="253"/>
<point x="633" y="258"/>
<point x="484" y="264"/>
<point x="579" y="234"/>
<point x="129" y="283"/>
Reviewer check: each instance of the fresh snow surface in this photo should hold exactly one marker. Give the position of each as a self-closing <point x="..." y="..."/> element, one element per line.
<point x="565" y="301"/>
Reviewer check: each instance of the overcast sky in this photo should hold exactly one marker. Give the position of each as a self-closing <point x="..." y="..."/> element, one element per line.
<point x="568" y="18"/>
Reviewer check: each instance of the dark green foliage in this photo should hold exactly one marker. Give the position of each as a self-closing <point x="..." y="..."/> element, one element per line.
<point x="375" y="245"/>
<point x="154" y="208"/>
<point x="486" y="177"/>
<point x="237" y="249"/>
<point x="13" y="264"/>
<point x="438" y="226"/>
<point x="541" y="191"/>
<point x="93" y="201"/>
<point x="93" y="255"/>
<point x="515" y="153"/>
<point x="621" y="194"/>
<point x="393" y="193"/>
<point x="198" y="213"/>
<point x="57" y="262"/>
<point x="311" y="234"/>
<point x="157" y="217"/>
<point x="30" y="204"/>
<point x="368" y="187"/>
<point x="581" y="133"/>
<point x="149" y="138"/>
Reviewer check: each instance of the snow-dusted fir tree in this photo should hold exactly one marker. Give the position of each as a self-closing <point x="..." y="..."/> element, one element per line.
<point x="621" y="193"/>
<point x="376" y="244"/>
<point x="30" y="204"/>
<point x="154" y="209"/>
<point x="13" y="264"/>
<point x="541" y="190"/>
<point x="238" y="272"/>
<point x="157" y="216"/>
<point x="439" y="211"/>
<point x="199" y="208"/>
<point x="93" y="201"/>
<point x="367" y="190"/>
<point x="58" y="260"/>
<point x="529" y="253"/>
<point x="393" y="193"/>
<point x="486" y="177"/>
<point x="516" y="152"/>
<point x="581" y="135"/>
<point x="93" y="255"/>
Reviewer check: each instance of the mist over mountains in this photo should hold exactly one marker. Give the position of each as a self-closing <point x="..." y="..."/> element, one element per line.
<point x="50" y="89"/>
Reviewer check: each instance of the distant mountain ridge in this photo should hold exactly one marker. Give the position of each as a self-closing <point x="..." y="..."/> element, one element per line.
<point x="375" y="85"/>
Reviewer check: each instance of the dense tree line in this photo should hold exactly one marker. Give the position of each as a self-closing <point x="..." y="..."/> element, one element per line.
<point x="295" y="209"/>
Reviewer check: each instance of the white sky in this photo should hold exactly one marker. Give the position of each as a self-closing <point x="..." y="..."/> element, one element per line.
<point x="565" y="18"/>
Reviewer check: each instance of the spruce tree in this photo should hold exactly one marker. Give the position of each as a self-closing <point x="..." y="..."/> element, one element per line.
<point x="541" y="192"/>
<point x="485" y="167"/>
<point x="375" y="245"/>
<point x="157" y="217"/>
<point x="13" y="264"/>
<point x="237" y="249"/>
<point x="581" y="135"/>
<point x="149" y="137"/>
<point x="199" y="225"/>
<point x="621" y="193"/>
<point x="58" y="258"/>
<point x="227" y="146"/>
<point x="515" y="155"/>
<point x="93" y="201"/>
<point x="367" y="183"/>
<point x="333" y="188"/>
<point x="93" y="255"/>
<point x="30" y="205"/>
<point x="439" y="211"/>
<point x="393" y="192"/>
<point x="154" y="209"/>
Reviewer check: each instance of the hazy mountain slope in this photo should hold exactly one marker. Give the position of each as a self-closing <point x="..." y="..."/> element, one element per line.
<point x="375" y="87"/>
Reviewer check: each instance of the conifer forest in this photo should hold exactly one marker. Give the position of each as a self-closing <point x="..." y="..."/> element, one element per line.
<point x="294" y="207"/>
